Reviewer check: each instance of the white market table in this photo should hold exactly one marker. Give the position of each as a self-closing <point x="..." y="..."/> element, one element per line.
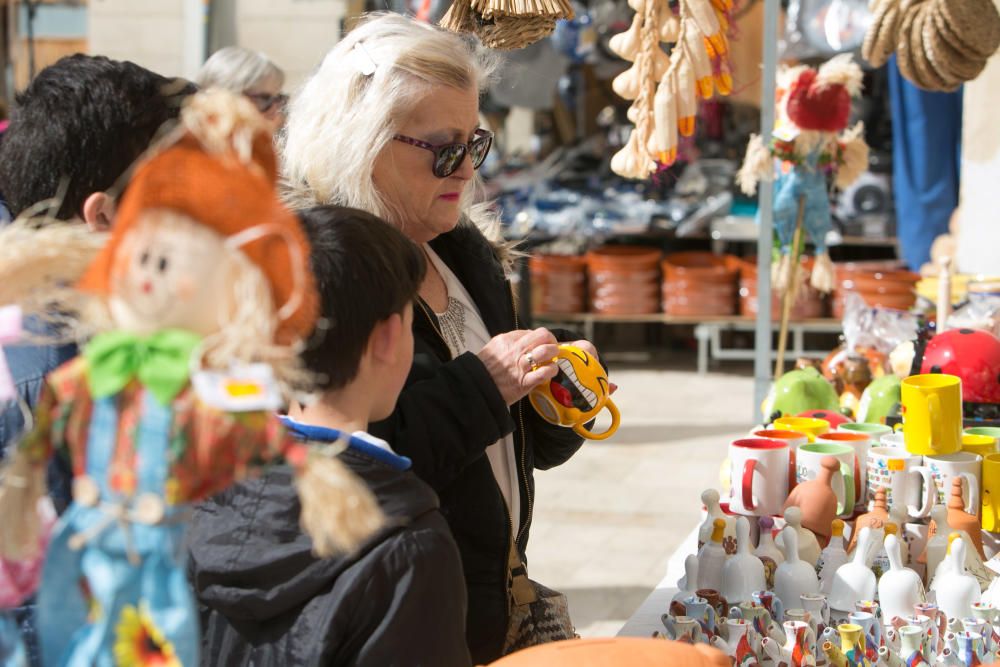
<point x="646" y="619"/>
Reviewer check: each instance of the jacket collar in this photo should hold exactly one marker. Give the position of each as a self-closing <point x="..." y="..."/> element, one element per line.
<point x="360" y="442"/>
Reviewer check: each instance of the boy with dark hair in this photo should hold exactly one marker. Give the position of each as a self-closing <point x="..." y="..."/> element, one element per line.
<point x="265" y="599"/>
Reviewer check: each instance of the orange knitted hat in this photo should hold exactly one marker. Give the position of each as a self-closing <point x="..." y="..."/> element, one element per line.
<point x="228" y="195"/>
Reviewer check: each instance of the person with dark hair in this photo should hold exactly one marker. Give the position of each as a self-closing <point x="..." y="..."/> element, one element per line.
<point x="74" y="132"/>
<point x="400" y="599"/>
<point x="77" y="128"/>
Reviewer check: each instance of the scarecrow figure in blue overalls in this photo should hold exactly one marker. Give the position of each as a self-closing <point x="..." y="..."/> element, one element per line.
<point x="204" y="293"/>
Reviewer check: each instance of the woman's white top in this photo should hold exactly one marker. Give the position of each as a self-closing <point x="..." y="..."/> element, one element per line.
<point x="464" y="331"/>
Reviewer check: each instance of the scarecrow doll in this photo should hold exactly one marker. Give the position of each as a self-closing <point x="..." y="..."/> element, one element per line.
<point x="811" y="144"/>
<point x="196" y="306"/>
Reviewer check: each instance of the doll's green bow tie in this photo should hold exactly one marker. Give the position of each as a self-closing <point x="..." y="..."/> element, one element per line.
<point x="160" y="362"/>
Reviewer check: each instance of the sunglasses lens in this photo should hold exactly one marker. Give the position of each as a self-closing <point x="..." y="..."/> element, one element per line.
<point x="479" y="149"/>
<point x="449" y="159"/>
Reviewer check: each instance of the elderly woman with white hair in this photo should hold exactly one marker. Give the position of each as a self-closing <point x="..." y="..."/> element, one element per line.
<point x="249" y="73"/>
<point x="390" y="124"/>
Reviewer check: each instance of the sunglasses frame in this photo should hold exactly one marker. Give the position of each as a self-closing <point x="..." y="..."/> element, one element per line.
<point x="481" y="135"/>
<point x="265" y="103"/>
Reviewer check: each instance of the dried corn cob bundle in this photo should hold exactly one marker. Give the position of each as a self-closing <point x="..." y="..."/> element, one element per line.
<point x="506" y="24"/>
<point x="697" y="66"/>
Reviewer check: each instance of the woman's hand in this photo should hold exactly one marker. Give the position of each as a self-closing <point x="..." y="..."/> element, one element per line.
<point x="518" y="361"/>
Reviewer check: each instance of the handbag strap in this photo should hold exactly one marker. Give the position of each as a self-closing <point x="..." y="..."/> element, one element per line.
<point x="522" y="591"/>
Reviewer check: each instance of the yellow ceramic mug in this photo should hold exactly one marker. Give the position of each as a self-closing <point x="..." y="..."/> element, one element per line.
<point x="932" y="413"/>
<point x="576" y="394"/>
<point x="810" y="426"/>
<point x="991" y="492"/>
<point x="983" y="445"/>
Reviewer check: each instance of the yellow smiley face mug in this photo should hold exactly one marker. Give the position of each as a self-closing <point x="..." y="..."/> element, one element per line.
<point x="578" y="392"/>
<point x="932" y="413"/>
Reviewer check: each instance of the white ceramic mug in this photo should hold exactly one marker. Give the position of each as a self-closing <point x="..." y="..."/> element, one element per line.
<point x="860" y="443"/>
<point x="895" y="440"/>
<point x="759" y="477"/>
<point x="968" y="466"/>
<point x="794" y="440"/>
<point x="900" y="472"/>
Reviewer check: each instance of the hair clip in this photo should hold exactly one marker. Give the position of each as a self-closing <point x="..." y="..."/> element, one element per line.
<point x="363" y="60"/>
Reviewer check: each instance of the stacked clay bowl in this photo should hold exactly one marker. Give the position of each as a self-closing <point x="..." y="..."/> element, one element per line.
<point x="698" y="283"/>
<point x="809" y="304"/>
<point x="624" y="280"/>
<point x="879" y="287"/>
<point x="558" y="283"/>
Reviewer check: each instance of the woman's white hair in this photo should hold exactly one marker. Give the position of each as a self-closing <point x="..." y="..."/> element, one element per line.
<point x="345" y="115"/>
<point x="238" y="70"/>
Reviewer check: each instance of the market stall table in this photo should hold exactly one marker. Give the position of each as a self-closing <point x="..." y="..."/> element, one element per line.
<point x="646" y="619"/>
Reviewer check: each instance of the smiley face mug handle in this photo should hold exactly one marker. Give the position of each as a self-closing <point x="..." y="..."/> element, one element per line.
<point x="581" y="429"/>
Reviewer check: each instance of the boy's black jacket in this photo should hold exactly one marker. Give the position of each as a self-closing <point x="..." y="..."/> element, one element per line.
<point x="265" y="600"/>
<point x="448" y="413"/>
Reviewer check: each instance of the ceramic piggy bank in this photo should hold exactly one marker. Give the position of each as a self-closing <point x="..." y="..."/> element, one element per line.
<point x="578" y="392"/>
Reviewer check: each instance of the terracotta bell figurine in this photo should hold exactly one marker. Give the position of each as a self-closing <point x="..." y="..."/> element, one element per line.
<point x="875" y="519"/>
<point x="959" y="519"/>
<point x="817" y="500"/>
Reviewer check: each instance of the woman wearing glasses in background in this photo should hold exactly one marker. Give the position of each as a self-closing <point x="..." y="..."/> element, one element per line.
<point x="390" y="124"/>
<point x="249" y="73"/>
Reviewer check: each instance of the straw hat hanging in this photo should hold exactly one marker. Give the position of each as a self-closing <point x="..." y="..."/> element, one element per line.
<point x="665" y="89"/>
<point x="506" y="24"/>
<point x="939" y="44"/>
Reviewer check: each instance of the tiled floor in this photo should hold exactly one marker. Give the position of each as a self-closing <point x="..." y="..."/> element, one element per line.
<point x="606" y="522"/>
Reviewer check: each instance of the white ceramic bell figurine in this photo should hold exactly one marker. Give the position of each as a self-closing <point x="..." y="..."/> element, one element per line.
<point x="767" y="551"/>
<point x="808" y="544"/>
<point x="711" y="558"/>
<point x="937" y="546"/>
<point x="688" y="584"/>
<point x="743" y="573"/>
<point x="956" y="590"/>
<point x="900" y="588"/>
<point x="710" y="498"/>
<point x="899" y="515"/>
<point x="795" y="577"/>
<point x="853" y="580"/>
<point x="832" y="556"/>
<point x="880" y="563"/>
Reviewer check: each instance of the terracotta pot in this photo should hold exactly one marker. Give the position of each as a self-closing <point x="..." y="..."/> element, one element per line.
<point x="959" y="519"/>
<point x="699" y="283"/>
<point x="817" y="499"/>
<point x="632" y="651"/>
<point x="558" y="283"/>
<point x="619" y="258"/>
<point x="810" y="303"/>
<point x="624" y="280"/>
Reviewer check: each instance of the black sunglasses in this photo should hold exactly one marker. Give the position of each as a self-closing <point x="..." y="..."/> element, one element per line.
<point x="448" y="157"/>
<point x="265" y="103"/>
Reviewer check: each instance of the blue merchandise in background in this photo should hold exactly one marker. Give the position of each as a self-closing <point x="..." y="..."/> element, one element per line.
<point x="927" y="138"/>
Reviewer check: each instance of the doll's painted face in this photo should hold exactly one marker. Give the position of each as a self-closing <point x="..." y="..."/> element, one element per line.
<point x="170" y="272"/>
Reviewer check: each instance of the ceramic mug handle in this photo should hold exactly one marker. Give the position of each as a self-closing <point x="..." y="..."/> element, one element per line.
<point x="847" y="476"/>
<point x="972" y="507"/>
<point x="929" y="492"/>
<point x="747" y="484"/>
<point x="615" y="420"/>
<point x="934" y="412"/>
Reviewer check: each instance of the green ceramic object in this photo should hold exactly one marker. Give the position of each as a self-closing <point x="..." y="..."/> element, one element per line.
<point x="798" y="391"/>
<point x="879" y="400"/>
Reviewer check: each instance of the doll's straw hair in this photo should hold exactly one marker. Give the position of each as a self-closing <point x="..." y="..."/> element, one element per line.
<point x="41" y="258"/>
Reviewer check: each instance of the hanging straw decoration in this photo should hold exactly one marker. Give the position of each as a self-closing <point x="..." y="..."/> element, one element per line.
<point x="665" y="89"/>
<point x="506" y="24"/>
